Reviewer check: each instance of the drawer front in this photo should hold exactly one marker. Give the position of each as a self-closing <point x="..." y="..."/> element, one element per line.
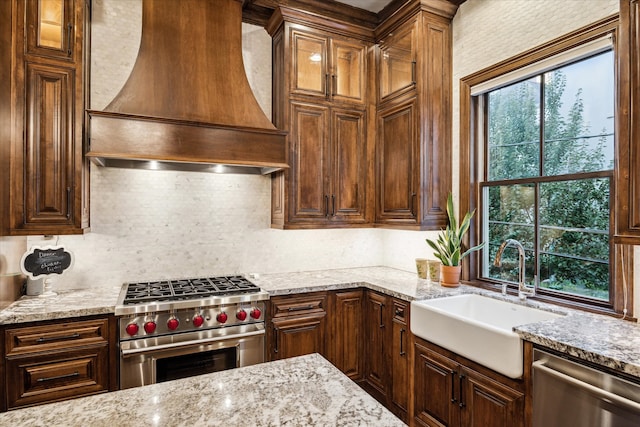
<point x="62" y="336"/>
<point x="298" y="305"/>
<point x="34" y="380"/>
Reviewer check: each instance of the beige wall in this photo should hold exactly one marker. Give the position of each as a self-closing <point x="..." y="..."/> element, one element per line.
<point x="11" y="278"/>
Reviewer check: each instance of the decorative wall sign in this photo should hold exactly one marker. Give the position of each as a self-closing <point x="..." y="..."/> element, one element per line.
<point x="46" y="260"/>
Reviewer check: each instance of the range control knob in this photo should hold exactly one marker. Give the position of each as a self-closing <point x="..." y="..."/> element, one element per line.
<point x="132" y="329"/>
<point x="255" y="313"/>
<point x="241" y="315"/>
<point x="198" y="320"/>
<point x="173" y="323"/>
<point x="222" y="317"/>
<point x="150" y="327"/>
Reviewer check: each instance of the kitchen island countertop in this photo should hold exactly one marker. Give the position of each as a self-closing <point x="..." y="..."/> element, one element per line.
<point x="305" y="390"/>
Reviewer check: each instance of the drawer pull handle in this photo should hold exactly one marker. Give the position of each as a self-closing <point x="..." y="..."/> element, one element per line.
<point x="275" y="339"/>
<point x="304" y="307"/>
<point x="69" y="39"/>
<point x="59" y="377"/>
<point x="453" y="386"/>
<point x="66" y="337"/>
<point x="69" y="202"/>
<point x="413" y="72"/>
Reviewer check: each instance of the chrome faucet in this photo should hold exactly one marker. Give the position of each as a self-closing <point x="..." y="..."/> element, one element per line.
<point x="523" y="289"/>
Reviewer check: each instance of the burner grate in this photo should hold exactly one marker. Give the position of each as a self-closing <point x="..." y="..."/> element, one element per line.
<point x="184" y="289"/>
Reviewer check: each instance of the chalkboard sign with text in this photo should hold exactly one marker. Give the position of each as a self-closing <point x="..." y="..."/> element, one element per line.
<point x="48" y="260"/>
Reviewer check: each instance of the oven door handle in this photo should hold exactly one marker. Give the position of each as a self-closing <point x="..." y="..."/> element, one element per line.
<point x="129" y="352"/>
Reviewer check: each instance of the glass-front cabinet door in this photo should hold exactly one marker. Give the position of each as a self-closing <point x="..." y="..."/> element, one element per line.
<point x="327" y="67"/>
<point x="50" y="28"/>
<point x="347" y="78"/>
<point x="310" y="64"/>
<point x="397" y="62"/>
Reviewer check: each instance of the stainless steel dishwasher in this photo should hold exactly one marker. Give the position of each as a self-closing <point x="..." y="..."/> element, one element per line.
<point x="566" y="393"/>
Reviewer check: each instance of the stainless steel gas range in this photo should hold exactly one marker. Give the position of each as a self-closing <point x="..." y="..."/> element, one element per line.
<point x="178" y="328"/>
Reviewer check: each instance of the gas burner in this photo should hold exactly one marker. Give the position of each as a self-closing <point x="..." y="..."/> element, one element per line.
<point x="186" y="289"/>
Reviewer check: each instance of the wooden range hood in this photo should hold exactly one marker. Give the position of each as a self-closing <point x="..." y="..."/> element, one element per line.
<point x="187" y="104"/>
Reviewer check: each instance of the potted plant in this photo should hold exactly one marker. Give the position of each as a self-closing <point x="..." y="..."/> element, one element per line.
<point x="448" y="246"/>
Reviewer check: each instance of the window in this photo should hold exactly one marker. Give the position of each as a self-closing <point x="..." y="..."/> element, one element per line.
<point x="548" y="176"/>
<point x="537" y="162"/>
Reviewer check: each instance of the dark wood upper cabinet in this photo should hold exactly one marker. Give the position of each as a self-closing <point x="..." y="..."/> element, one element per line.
<point x="397" y="65"/>
<point x="321" y="71"/>
<point x="50" y="29"/>
<point x="413" y="141"/>
<point x="45" y="184"/>
<point x="628" y="156"/>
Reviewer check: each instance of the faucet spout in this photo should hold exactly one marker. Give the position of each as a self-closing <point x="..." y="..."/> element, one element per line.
<point x="523" y="289"/>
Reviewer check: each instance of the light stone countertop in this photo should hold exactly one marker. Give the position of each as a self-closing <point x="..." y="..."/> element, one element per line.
<point x="62" y="305"/>
<point x="606" y="341"/>
<point x="301" y="391"/>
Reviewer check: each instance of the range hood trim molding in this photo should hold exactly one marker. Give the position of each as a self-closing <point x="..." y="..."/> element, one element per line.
<point x="116" y="136"/>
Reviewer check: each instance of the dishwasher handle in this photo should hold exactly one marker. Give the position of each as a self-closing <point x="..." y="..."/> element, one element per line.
<point x="597" y="391"/>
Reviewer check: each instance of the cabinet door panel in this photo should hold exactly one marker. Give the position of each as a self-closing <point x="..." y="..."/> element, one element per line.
<point x="376" y="342"/>
<point x="435" y="389"/>
<point x="400" y="359"/>
<point x="435" y="137"/>
<point x="309" y="165"/>
<point x="310" y="64"/>
<point x="489" y="403"/>
<point x="397" y="157"/>
<point x="349" y="165"/>
<point x="628" y="149"/>
<point x="397" y="62"/>
<point x="347" y="336"/>
<point x="298" y="336"/>
<point x="348" y="76"/>
<point x="49" y="146"/>
<point x="51" y="28"/>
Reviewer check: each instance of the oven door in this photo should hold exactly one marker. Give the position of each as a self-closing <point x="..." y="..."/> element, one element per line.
<point x="152" y="360"/>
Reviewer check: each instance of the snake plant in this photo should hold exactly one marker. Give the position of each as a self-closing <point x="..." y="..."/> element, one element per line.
<point x="448" y="247"/>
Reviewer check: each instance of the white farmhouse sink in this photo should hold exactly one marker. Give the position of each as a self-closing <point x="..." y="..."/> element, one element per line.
<point x="478" y="328"/>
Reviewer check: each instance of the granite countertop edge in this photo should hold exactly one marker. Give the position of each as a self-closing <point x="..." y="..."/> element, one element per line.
<point x="603" y="340"/>
<point x="304" y="390"/>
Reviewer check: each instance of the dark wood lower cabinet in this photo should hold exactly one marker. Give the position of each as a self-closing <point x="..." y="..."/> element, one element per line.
<point x="400" y="380"/>
<point x="297" y="336"/>
<point x="346" y="339"/>
<point x="362" y="332"/>
<point x="376" y="345"/>
<point x="40" y="379"/>
<point x="52" y="361"/>
<point x="450" y="390"/>
<point x="297" y="325"/>
<point x="367" y="335"/>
